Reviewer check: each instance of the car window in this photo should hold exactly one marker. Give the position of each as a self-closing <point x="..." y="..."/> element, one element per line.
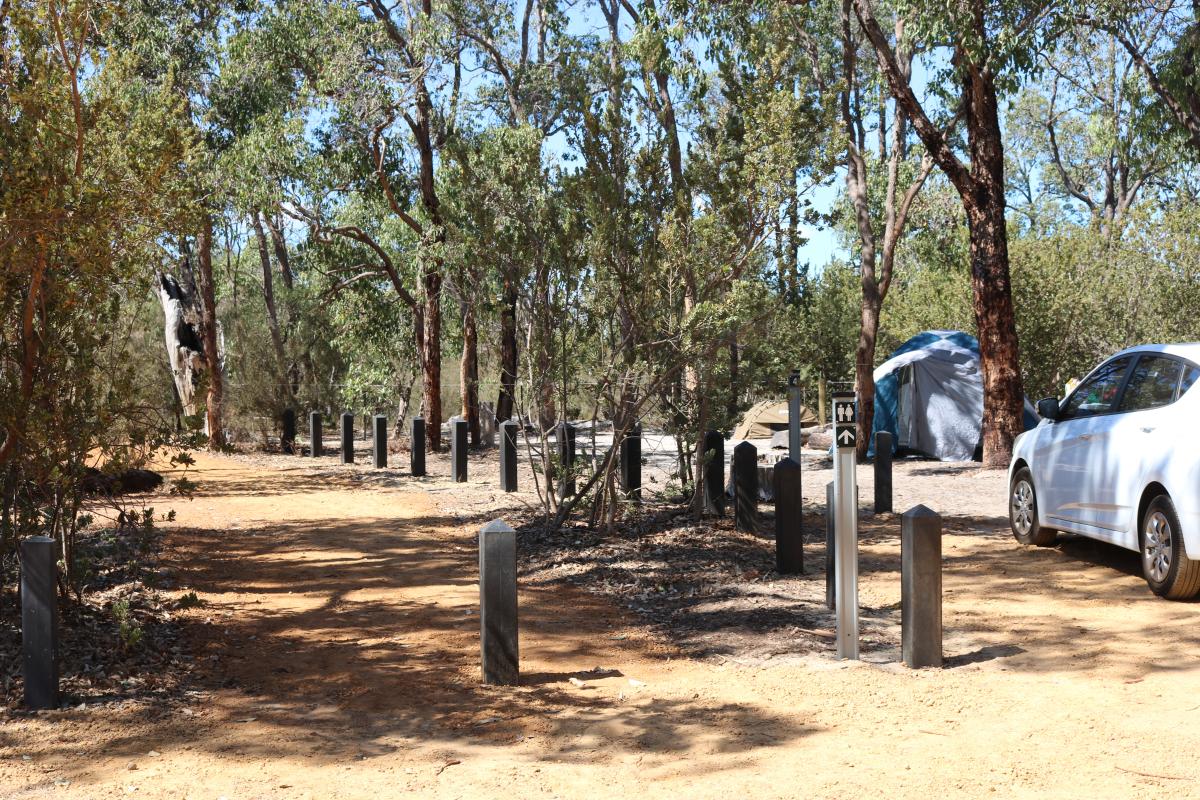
<point x="1189" y="377"/>
<point x="1098" y="393"/>
<point x="1152" y="383"/>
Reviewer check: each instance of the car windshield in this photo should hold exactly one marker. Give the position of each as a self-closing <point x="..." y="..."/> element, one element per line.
<point x="1098" y="394"/>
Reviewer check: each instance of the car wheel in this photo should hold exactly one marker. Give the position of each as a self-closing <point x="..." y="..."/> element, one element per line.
<point x="1022" y="512"/>
<point x="1168" y="570"/>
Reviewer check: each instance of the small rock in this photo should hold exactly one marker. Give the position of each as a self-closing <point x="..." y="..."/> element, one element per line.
<point x="577" y="683"/>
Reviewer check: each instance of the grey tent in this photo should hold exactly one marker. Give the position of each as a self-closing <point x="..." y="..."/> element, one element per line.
<point x="929" y="396"/>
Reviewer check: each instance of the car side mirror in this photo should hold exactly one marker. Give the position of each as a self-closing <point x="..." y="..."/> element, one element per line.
<point x="1048" y="408"/>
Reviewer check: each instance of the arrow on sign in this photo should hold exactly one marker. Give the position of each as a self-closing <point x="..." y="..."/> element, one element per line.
<point x="846" y="436"/>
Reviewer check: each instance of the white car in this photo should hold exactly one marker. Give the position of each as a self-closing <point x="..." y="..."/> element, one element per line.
<point x="1119" y="461"/>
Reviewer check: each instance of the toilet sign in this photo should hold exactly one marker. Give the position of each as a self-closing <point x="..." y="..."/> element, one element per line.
<point x="845" y="524"/>
<point x="845" y="420"/>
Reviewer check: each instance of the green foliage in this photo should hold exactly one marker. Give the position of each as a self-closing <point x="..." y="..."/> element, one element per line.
<point x="89" y="184"/>
<point x="129" y="630"/>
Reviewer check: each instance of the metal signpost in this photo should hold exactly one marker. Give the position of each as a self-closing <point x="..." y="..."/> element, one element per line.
<point x="845" y="522"/>
<point x="793" y="391"/>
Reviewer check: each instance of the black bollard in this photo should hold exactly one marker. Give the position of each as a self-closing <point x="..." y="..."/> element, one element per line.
<point x="498" y="603"/>
<point x="508" y="456"/>
<point x="379" y="441"/>
<point x="714" y="473"/>
<point x="314" y="433"/>
<point x="416" y="456"/>
<point x="789" y="506"/>
<point x="830" y="572"/>
<point x="39" y="622"/>
<point x="883" y="472"/>
<point x="631" y="464"/>
<point x="287" y="441"/>
<point x="921" y="587"/>
<point x="347" y="438"/>
<point x="566" y="460"/>
<point x="458" y="450"/>
<point x="745" y="487"/>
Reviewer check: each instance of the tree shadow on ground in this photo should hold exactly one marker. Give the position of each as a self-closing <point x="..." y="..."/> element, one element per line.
<point x="714" y="591"/>
<point x="332" y="640"/>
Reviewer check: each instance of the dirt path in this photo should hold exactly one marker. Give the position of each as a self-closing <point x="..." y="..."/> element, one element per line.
<point x="336" y="656"/>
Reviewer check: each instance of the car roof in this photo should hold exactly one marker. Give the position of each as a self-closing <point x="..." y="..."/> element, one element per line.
<point x="1188" y="350"/>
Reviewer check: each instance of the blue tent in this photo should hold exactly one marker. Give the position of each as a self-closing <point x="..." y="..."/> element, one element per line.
<point x="929" y="396"/>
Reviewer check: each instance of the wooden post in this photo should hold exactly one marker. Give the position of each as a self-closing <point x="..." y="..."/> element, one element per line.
<point x="379" y="441"/>
<point x="287" y="440"/>
<point x="745" y="487"/>
<point x="416" y="456"/>
<point x="789" y="534"/>
<point x="458" y="451"/>
<point x="821" y="401"/>
<point x="714" y="473"/>
<point x="566" y="460"/>
<point x="883" y="472"/>
<point x="347" y="438"/>
<point x="498" y="604"/>
<point x="508" y="456"/>
<point x="39" y="622"/>
<point x="921" y="587"/>
<point x="314" y="433"/>
<point x="631" y="464"/>
<point x="830" y="548"/>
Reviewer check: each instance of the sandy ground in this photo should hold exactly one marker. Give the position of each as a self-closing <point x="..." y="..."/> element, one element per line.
<point x="336" y="656"/>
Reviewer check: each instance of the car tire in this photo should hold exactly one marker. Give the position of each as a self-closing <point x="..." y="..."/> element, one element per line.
<point x="1165" y="564"/>
<point x="1022" y="512"/>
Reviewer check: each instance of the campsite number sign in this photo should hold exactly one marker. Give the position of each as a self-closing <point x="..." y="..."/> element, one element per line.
<point x="845" y="420"/>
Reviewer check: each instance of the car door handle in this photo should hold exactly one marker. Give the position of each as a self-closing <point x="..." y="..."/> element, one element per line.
<point x="1148" y="430"/>
<point x="1085" y="436"/>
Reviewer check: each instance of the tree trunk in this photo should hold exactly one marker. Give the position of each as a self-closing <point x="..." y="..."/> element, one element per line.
<point x="211" y="335"/>
<point x="1003" y="395"/>
<point x="431" y="359"/>
<point x="264" y="258"/>
<point x="864" y="363"/>
<point x="731" y="407"/>
<point x="281" y="252"/>
<point x="469" y="374"/>
<point x="981" y="188"/>
<point x="506" y="402"/>
<point x="181" y="326"/>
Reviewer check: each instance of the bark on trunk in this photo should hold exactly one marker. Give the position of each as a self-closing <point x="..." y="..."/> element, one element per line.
<point x="506" y="402"/>
<point x="281" y="251"/>
<point x="431" y="359"/>
<point x="731" y="407"/>
<point x="211" y="335"/>
<point x="264" y="257"/>
<point x="181" y="327"/>
<point x="1003" y="395"/>
<point x="864" y="364"/>
<point x="469" y="374"/>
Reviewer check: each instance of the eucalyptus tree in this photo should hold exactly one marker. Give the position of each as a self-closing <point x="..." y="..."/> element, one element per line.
<point x="882" y="177"/>
<point x="175" y="48"/>
<point x="987" y="48"/>
<point x="1162" y="40"/>
<point x="1090" y="134"/>
<point x="378" y="89"/>
<point x="530" y="83"/>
